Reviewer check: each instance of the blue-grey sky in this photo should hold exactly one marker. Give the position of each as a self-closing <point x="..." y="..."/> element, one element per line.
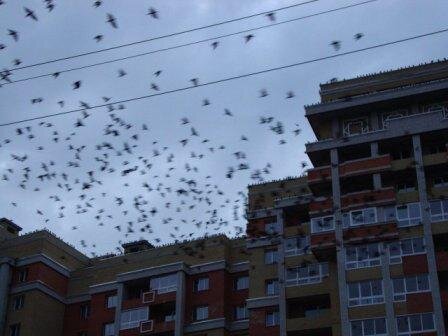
<point x="70" y="29"/>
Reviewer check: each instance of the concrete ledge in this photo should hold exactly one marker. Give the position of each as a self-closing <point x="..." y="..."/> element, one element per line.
<point x="151" y="271"/>
<point x="266" y="301"/>
<point x="36" y="258"/>
<point x="239" y="267"/>
<point x="40" y="286"/>
<point x="103" y="287"/>
<point x="207" y="267"/>
<point x="238" y="325"/>
<point x="206" y="325"/>
<point x="262" y="241"/>
<point x="78" y="298"/>
<point x="7" y="260"/>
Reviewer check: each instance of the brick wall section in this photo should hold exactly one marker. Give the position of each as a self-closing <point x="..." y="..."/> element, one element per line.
<point x="415" y="264"/>
<point x="41" y="272"/>
<point x="99" y="313"/>
<point x="234" y="297"/>
<point x="213" y="297"/>
<point x="257" y="323"/>
<point x="419" y="303"/>
<point x="255" y="228"/>
<point x="73" y="323"/>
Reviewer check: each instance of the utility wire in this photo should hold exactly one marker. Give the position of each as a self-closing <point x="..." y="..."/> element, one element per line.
<point x="250" y="74"/>
<point x="163" y="36"/>
<point x="190" y="43"/>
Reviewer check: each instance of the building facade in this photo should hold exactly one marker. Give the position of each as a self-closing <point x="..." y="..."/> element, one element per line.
<point x="356" y="247"/>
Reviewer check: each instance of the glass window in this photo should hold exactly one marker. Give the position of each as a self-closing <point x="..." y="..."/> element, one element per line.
<point x="368" y="327"/>
<point x="18" y="302"/>
<point x="201" y="313"/>
<point x="272" y="287"/>
<point x="242" y="283"/>
<point x="201" y="284"/>
<point x="409" y="214"/>
<point x="109" y="329"/>
<point x="164" y="284"/>
<point x="241" y="312"/>
<point x="405" y="247"/>
<point x="322" y="224"/>
<point x="411" y="284"/>
<point x="132" y="318"/>
<point x="312" y="273"/>
<point x="14" y="329"/>
<point x="297" y="245"/>
<point x="362" y="256"/>
<point x="270" y="257"/>
<point x="415" y="324"/>
<point x="23" y="275"/>
<point x="272" y="228"/>
<point x="365" y="293"/>
<point x="111" y="301"/>
<point x="439" y="210"/>
<point x="362" y="216"/>
<point x="272" y="319"/>
<point x="85" y="311"/>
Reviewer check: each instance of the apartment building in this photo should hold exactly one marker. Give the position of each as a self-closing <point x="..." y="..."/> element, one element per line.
<point x="360" y="243"/>
<point x="356" y="247"/>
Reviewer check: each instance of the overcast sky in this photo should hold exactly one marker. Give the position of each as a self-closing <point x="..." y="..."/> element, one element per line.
<point x="70" y="29"/>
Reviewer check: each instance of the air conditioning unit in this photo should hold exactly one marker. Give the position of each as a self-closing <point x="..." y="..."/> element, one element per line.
<point x="148" y="297"/>
<point x="146" y="326"/>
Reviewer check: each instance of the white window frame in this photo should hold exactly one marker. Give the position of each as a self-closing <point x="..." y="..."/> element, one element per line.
<point x="363" y="322"/>
<point x="133" y="317"/>
<point x="245" y="282"/>
<point x="297" y="248"/>
<point x="272" y="319"/>
<point x="408" y="319"/>
<point x="398" y="257"/>
<point x="404" y="187"/>
<point x="18" y="302"/>
<point x="312" y="276"/>
<point x="317" y="224"/>
<point x="270" y="257"/>
<point x="363" y="263"/>
<point x="438" y="107"/>
<point x="408" y="220"/>
<point x="201" y="313"/>
<point x="109" y="329"/>
<point x="201" y="284"/>
<point x="387" y="116"/>
<point x="364" y="126"/>
<point x="112" y="301"/>
<point x="401" y="296"/>
<point x="364" y="216"/>
<point x="164" y="284"/>
<point x="272" y="228"/>
<point x="241" y="309"/>
<point x="272" y="287"/>
<point x="365" y="300"/>
<point x="443" y="216"/>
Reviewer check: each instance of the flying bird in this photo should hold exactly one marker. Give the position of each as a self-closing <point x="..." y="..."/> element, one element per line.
<point x="14" y="34"/>
<point x="153" y="12"/>
<point x="336" y="45"/>
<point x="30" y="13"/>
<point x="249" y="37"/>
<point x="112" y="20"/>
<point x="358" y="36"/>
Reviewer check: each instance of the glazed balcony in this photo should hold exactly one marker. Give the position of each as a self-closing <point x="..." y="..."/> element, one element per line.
<point x="153" y="327"/>
<point x="368" y="198"/>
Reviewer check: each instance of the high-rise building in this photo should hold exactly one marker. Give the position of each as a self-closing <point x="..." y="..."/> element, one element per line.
<point x="356" y="247"/>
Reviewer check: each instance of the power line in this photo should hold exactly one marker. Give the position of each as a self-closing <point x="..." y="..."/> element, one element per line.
<point x="163" y="36"/>
<point x="250" y="74"/>
<point x="191" y="43"/>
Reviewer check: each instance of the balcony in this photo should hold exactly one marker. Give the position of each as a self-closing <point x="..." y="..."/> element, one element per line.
<point x="371" y="233"/>
<point x="153" y="327"/>
<point x="319" y="174"/>
<point x="365" y="165"/>
<point x="309" y="312"/>
<point x="321" y="205"/>
<point x="323" y="246"/>
<point x="154" y="297"/>
<point x="368" y="198"/>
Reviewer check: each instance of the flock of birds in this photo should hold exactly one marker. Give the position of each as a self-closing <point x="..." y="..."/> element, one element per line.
<point x="82" y="183"/>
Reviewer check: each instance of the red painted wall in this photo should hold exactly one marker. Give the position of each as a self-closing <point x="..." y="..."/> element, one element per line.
<point x="419" y="303"/>
<point x="40" y="271"/>
<point x="415" y="264"/>
<point x="257" y="323"/>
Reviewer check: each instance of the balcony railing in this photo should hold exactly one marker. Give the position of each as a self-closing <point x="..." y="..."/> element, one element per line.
<point x="368" y="197"/>
<point x="152" y="327"/>
<point x="365" y="165"/>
